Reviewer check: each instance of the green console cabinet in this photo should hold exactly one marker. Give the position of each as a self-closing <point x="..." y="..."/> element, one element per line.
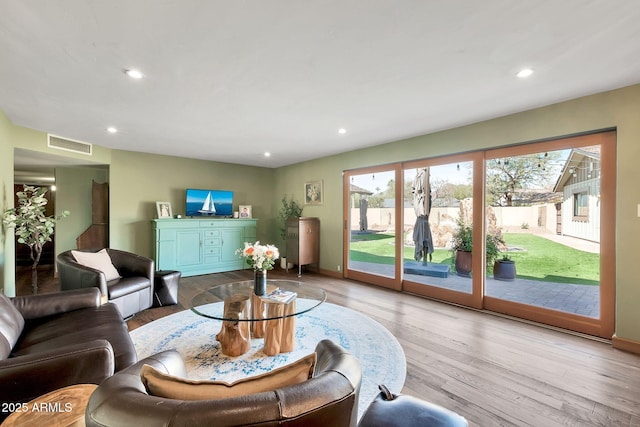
<point x="201" y="246"/>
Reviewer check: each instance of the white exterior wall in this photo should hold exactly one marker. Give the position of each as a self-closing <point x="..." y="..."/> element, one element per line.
<point x="515" y="216"/>
<point x="588" y="230"/>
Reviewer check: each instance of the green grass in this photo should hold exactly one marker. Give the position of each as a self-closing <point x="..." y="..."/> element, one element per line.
<point x="541" y="259"/>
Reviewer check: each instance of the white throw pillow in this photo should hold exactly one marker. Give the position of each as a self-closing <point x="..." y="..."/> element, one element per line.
<point x="98" y="260"/>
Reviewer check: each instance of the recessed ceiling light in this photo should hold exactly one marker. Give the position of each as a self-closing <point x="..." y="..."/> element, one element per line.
<point x="111" y="129"/>
<point x="267" y="154"/>
<point x="525" y="72"/>
<point x="342" y="131"/>
<point x="134" y="74"/>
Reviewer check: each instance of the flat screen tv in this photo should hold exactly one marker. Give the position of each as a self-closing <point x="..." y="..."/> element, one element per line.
<point x="209" y="203"/>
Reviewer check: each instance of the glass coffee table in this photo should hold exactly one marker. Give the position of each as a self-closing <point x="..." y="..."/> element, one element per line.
<point x="245" y="315"/>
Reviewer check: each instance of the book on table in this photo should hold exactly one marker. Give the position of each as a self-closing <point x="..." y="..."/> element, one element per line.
<point x="280" y="295"/>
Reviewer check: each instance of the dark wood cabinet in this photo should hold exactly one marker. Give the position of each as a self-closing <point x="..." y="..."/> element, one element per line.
<point x="303" y="242"/>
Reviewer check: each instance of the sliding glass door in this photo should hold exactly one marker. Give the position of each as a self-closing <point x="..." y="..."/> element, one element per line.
<point x="371" y="230"/>
<point x="527" y="230"/>
<point x="438" y="226"/>
<point x="550" y="205"/>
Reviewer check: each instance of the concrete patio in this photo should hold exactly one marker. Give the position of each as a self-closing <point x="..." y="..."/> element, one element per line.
<point x="570" y="298"/>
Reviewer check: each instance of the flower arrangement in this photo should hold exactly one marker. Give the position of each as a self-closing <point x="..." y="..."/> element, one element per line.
<point x="259" y="257"/>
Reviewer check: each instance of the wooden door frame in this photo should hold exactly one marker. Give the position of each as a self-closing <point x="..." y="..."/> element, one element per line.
<point x="605" y="325"/>
<point x="387" y="282"/>
<point x="473" y="299"/>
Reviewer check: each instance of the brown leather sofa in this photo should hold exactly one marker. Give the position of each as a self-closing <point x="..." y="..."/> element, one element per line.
<point x="330" y="398"/>
<point x="59" y="339"/>
<point x="132" y="293"/>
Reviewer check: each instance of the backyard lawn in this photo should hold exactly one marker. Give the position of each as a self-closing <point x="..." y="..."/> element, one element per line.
<point x="537" y="258"/>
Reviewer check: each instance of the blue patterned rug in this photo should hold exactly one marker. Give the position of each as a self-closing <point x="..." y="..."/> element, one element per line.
<point x="193" y="336"/>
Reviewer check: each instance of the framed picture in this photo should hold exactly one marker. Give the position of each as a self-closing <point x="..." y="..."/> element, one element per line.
<point x="244" y="211"/>
<point x="164" y="210"/>
<point x="313" y="193"/>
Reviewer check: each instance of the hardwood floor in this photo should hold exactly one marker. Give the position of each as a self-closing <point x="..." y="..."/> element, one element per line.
<point x="493" y="370"/>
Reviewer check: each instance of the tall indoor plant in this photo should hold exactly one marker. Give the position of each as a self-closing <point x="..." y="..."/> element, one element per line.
<point x="290" y="208"/>
<point x="32" y="226"/>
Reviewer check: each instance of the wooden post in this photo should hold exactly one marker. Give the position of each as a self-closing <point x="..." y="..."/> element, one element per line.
<point x="288" y="328"/>
<point x="257" y="312"/>
<point x="273" y="329"/>
<point x="235" y="337"/>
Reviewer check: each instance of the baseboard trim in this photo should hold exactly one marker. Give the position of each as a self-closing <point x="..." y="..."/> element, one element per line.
<point x="626" y="344"/>
<point x="330" y="273"/>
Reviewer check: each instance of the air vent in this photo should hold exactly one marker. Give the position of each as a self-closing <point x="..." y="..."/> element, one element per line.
<point x="69" y="145"/>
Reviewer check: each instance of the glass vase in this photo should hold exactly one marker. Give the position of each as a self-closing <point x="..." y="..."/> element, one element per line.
<point x="259" y="282"/>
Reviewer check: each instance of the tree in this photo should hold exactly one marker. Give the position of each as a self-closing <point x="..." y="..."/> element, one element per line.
<point x="32" y="226"/>
<point x="507" y="176"/>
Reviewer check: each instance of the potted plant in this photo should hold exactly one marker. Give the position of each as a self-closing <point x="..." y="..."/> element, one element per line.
<point x="504" y="268"/>
<point x="290" y="208"/>
<point x="32" y="226"/>
<point x="462" y="245"/>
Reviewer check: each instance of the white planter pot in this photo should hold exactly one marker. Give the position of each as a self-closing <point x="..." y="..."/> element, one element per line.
<point x="285" y="265"/>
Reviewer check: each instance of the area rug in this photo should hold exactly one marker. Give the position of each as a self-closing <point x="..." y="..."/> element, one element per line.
<point x="193" y="336"/>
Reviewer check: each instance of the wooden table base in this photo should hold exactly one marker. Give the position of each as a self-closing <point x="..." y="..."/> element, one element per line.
<point x="235" y="337"/>
<point x="278" y="334"/>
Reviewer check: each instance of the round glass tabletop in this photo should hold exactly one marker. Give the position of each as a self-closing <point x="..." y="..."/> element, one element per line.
<point x="210" y="303"/>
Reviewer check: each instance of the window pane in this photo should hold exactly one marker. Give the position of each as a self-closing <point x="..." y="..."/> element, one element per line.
<point x="437" y="204"/>
<point x="547" y="213"/>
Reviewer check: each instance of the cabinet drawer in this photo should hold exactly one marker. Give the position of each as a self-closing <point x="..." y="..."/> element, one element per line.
<point x="212" y="242"/>
<point x="212" y="233"/>
<point x="211" y="251"/>
<point x="211" y="223"/>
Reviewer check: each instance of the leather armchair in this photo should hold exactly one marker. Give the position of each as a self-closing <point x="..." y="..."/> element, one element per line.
<point x="391" y="410"/>
<point x="330" y="398"/>
<point x="132" y="293"/>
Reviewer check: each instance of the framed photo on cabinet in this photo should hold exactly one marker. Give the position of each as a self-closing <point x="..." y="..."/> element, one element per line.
<point x="164" y="210"/>
<point x="244" y="211"/>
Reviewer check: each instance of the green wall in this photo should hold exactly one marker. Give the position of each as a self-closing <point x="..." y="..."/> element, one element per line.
<point x="138" y="180"/>
<point x="619" y="108"/>
<point x="74" y="194"/>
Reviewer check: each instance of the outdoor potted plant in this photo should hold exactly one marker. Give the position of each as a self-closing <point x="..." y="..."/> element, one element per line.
<point x="504" y="268"/>
<point x="462" y="244"/>
<point x="290" y="208"/>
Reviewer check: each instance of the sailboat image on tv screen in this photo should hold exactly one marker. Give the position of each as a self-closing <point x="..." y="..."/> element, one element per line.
<point x="207" y="206"/>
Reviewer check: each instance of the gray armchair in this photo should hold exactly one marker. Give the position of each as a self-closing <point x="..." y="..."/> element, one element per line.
<point x="131" y="293"/>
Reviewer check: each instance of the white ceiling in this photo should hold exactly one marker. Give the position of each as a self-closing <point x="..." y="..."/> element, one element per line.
<point x="229" y="80"/>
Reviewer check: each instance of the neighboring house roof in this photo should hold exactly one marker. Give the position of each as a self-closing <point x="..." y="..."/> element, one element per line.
<point x="359" y="190"/>
<point x="534" y="197"/>
<point x="576" y="157"/>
